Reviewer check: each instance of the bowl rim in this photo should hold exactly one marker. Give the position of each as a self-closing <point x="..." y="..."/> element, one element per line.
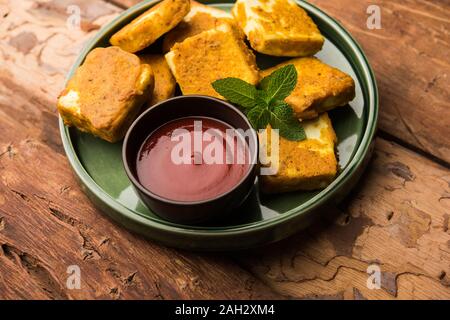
<point x="156" y="223"/>
<point x="250" y="170"/>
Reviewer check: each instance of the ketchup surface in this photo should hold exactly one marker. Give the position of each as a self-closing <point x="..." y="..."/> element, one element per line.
<point x="194" y="179"/>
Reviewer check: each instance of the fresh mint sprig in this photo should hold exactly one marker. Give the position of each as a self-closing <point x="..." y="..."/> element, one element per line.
<point x="237" y="91"/>
<point x="265" y="105"/>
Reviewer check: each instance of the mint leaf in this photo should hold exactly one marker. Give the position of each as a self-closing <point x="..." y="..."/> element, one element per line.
<point x="266" y="105"/>
<point x="262" y="99"/>
<point x="282" y="118"/>
<point x="236" y="91"/>
<point x="259" y="117"/>
<point x="280" y="83"/>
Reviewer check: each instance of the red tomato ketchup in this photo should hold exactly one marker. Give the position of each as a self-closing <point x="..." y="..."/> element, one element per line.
<point x="192" y="159"/>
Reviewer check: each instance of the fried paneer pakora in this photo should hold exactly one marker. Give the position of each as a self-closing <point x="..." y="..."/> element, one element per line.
<point x="304" y="165"/>
<point x="278" y="27"/>
<point x="151" y="25"/>
<point x="319" y="88"/>
<point x="211" y="55"/>
<point x="164" y="81"/>
<point x="200" y="18"/>
<point x="106" y="93"/>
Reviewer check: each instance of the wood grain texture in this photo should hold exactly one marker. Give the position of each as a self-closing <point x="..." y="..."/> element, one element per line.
<point x="46" y="222"/>
<point x="398" y="218"/>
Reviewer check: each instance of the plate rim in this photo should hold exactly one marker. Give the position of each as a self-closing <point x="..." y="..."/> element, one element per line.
<point x="94" y="190"/>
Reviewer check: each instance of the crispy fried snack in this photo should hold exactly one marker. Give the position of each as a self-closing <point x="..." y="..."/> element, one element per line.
<point x="200" y="18"/>
<point x="164" y="81"/>
<point x="304" y="165"/>
<point x="320" y="87"/>
<point x="211" y="55"/>
<point x="106" y="93"/>
<point x="152" y="24"/>
<point x="278" y="27"/>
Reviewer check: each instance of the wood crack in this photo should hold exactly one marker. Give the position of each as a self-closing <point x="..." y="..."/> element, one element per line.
<point x="389" y="137"/>
<point x="36" y="269"/>
<point x="327" y="259"/>
<point x="90" y="250"/>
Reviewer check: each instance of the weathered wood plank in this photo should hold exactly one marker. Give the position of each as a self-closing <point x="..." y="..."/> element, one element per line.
<point x="46" y="222"/>
<point x="410" y="56"/>
<point x="398" y="219"/>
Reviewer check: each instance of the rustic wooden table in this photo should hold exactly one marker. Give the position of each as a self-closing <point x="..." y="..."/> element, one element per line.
<point x="398" y="217"/>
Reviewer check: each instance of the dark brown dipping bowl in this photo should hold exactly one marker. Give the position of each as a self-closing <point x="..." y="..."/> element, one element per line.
<point x="194" y="212"/>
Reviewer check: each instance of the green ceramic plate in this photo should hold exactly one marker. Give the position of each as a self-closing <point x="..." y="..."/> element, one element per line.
<point x="262" y="219"/>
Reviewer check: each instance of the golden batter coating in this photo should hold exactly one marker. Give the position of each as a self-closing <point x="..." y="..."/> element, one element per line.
<point x="278" y="27"/>
<point x="304" y="165"/>
<point x="152" y="24"/>
<point x="320" y="87"/>
<point x="164" y="81"/>
<point x="200" y="18"/>
<point x="211" y="55"/>
<point x="106" y="93"/>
